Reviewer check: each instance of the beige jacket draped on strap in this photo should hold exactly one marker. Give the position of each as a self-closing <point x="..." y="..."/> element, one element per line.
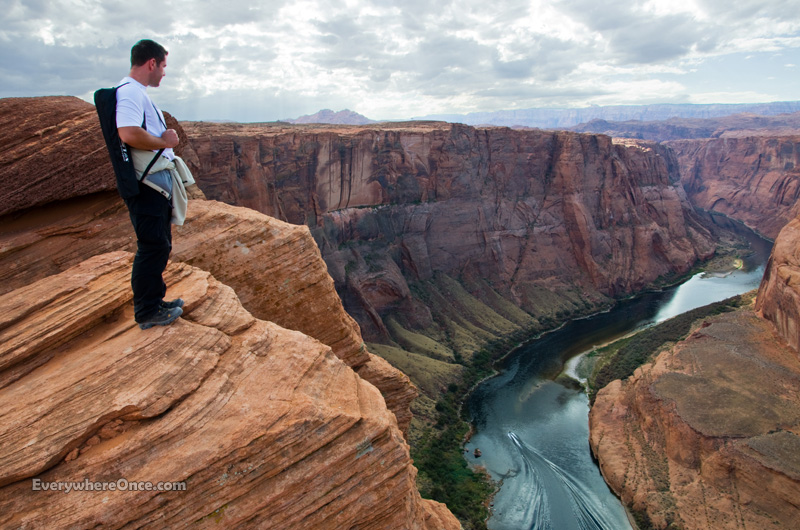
<point x="181" y="178"/>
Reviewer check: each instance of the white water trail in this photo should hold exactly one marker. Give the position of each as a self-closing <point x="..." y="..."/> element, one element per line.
<point x="543" y="509"/>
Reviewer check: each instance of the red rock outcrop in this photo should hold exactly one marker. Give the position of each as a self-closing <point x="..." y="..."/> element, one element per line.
<point x="63" y="310"/>
<point x="708" y="435"/>
<point x="252" y="253"/>
<point x="262" y="426"/>
<point x="52" y="149"/>
<point x="536" y="215"/>
<point x="753" y="179"/>
<point x="36" y="162"/>
<point x="275" y="268"/>
<point x="779" y="294"/>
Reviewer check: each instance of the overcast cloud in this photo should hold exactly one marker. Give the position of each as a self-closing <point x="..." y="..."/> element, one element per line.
<point x="247" y="60"/>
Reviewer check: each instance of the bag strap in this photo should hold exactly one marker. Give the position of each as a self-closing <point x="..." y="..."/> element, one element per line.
<point x="153" y="161"/>
<point x="150" y="165"/>
<point x="158" y="113"/>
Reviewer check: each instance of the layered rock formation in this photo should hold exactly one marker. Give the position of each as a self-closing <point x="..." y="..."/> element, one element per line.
<point x="779" y="294"/>
<point x="754" y="179"/>
<point x="51" y="150"/>
<point x="738" y="125"/>
<point x="257" y="417"/>
<point x="460" y="234"/>
<point x="708" y="435"/>
<point x="260" y="425"/>
<point x="240" y="248"/>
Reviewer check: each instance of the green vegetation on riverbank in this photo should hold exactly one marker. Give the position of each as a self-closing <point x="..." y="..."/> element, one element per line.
<point x="621" y="358"/>
<point x="437" y="451"/>
<point x="446" y="360"/>
<point x="444" y="473"/>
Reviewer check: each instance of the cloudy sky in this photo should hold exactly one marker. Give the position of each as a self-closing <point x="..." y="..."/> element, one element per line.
<point x="251" y="60"/>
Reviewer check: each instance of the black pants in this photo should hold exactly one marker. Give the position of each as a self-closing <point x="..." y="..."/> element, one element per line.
<point x="150" y="214"/>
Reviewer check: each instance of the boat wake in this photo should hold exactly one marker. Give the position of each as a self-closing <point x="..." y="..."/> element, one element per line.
<point x="551" y="498"/>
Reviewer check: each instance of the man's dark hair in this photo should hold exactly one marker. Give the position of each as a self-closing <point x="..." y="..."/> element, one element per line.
<point x="146" y="49"/>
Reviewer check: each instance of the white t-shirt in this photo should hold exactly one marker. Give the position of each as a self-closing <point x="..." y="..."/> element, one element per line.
<point x="133" y="103"/>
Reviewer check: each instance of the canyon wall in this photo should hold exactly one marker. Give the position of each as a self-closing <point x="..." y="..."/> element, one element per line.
<point x="779" y="294"/>
<point x="707" y="435"/>
<point x="754" y="179"/>
<point x="264" y="425"/>
<point x="441" y="237"/>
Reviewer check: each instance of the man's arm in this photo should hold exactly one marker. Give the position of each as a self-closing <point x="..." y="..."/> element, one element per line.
<point x="141" y="139"/>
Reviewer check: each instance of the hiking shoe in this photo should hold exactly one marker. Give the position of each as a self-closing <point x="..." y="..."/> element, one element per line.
<point x="178" y="302"/>
<point x="163" y="317"/>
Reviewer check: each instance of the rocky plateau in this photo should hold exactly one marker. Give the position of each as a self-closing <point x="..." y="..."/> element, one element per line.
<point x="684" y="128"/>
<point x="707" y="435"/>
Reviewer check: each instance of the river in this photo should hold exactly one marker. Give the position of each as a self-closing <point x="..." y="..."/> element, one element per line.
<point x="533" y="433"/>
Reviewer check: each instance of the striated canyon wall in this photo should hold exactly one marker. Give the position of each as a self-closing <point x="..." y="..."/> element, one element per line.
<point x="779" y="294"/>
<point x="754" y="179"/>
<point x="441" y="236"/>
<point x="264" y="425"/>
<point x="707" y="434"/>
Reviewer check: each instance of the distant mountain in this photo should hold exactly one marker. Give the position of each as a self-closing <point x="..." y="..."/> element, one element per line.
<point x="684" y="128"/>
<point x="343" y="117"/>
<point x="565" y="118"/>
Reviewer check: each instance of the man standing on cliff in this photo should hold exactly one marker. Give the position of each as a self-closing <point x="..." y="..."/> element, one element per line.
<point x="141" y="126"/>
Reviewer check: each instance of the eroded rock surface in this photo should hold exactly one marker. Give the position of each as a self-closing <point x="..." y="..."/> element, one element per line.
<point x="282" y="279"/>
<point x="274" y="266"/>
<point x="250" y="413"/>
<point x="550" y="223"/>
<point x="51" y="148"/>
<point x="779" y="294"/>
<point x="753" y="179"/>
<point x="708" y="435"/>
<point x="266" y="427"/>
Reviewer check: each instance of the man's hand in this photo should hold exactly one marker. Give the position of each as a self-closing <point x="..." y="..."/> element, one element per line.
<point x="170" y="137"/>
<point x="141" y="139"/>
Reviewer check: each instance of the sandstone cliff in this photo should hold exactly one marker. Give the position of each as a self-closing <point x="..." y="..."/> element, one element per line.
<point x="265" y="425"/>
<point x="440" y="236"/>
<point x="46" y="241"/>
<point x="753" y="179"/>
<point x="779" y="294"/>
<point x="708" y="435"/>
